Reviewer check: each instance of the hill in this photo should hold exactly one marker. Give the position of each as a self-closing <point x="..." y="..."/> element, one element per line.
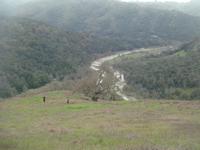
<point x="135" y="24"/>
<point x="33" y="53"/>
<point x="28" y="124"/>
<point x="171" y="75"/>
<point x="192" y="7"/>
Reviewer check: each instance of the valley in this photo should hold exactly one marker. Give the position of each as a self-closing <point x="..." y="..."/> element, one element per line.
<point x="109" y="61"/>
<point x="99" y="75"/>
<point x="120" y="82"/>
<point x="169" y="75"/>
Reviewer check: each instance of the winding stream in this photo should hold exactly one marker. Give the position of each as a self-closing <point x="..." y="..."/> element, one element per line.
<point x="120" y="80"/>
<point x="120" y="83"/>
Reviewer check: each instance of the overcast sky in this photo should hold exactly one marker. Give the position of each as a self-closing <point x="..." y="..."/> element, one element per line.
<point x="121" y="0"/>
<point x="17" y="1"/>
<point x="157" y="0"/>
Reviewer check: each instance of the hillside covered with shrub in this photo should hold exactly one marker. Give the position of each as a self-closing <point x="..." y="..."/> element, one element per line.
<point x="139" y="26"/>
<point x="33" y="53"/>
<point x="56" y="38"/>
<point x="174" y="75"/>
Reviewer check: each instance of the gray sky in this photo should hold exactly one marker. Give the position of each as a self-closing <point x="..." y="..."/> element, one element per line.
<point x="21" y="1"/>
<point x="157" y="0"/>
<point x="121" y="0"/>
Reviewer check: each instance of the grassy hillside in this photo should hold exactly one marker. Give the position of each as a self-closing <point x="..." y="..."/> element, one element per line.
<point x="137" y="25"/>
<point x="28" y="124"/>
<point x="174" y="75"/>
<point x="33" y="53"/>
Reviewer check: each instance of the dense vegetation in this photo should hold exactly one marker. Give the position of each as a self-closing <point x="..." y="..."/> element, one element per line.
<point x="137" y="25"/>
<point x="32" y="54"/>
<point x="170" y="75"/>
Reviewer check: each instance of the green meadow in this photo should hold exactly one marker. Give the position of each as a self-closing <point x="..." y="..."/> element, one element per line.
<point x="26" y="123"/>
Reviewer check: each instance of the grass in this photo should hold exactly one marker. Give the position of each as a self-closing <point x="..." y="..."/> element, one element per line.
<point x="28" y="124"/>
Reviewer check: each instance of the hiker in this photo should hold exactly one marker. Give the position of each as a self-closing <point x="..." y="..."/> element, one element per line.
<point x="67" y="101"/>
<point x="44" y="99"/>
